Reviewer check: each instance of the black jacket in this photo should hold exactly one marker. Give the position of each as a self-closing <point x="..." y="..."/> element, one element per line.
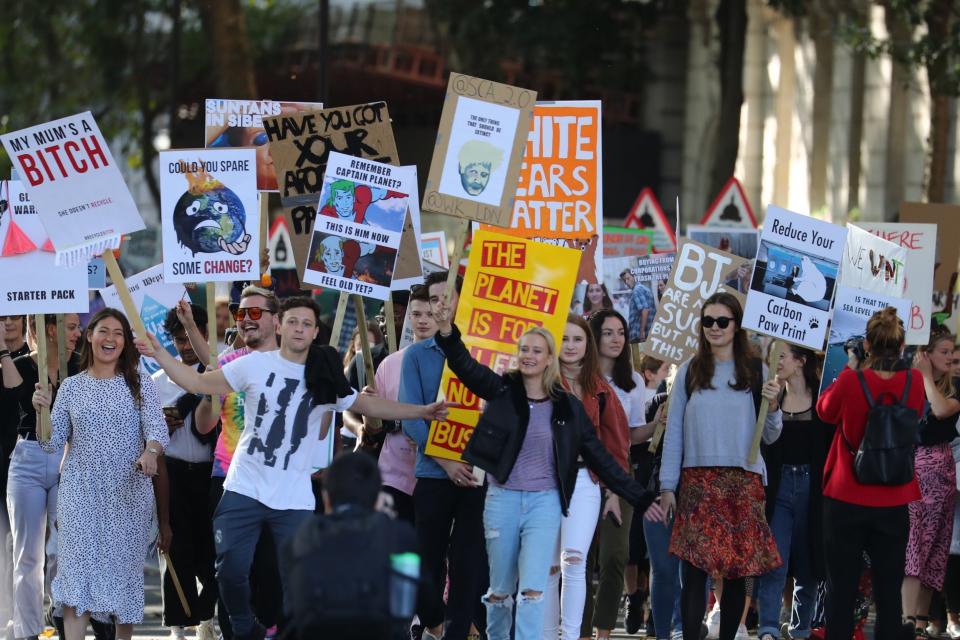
<point x="499" y="434"/>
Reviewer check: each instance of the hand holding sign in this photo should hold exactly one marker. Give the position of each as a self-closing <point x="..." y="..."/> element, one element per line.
<point x="148" y="347"/>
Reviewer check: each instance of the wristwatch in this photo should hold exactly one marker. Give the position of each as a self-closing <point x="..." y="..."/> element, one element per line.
<point x="153" y="450"/>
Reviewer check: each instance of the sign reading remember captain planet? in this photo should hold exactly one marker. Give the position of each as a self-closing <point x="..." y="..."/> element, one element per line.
<point x="511" y="285"/>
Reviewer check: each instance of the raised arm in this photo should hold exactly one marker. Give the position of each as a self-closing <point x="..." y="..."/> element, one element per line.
<point x="197" y="341"/>
<point x="376" y="407"/>
<point x="480" y="379"/>
<point x="186" y="377"/>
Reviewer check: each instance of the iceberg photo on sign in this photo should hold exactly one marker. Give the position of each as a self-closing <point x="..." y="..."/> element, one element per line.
<point x="794" y="276"/>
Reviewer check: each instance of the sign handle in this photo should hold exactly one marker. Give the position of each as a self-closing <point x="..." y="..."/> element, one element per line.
<point x="212" y="338"/>
<point x="374" y="423"/>
<point x="764" y="403"/>
<point x="133" y="315"/>
<point x="388" y="316"/>
<point x="176" y="580"/>
<point x="61" y="347"/>
<point x="459" y="239"/>
<point x="264" y="234"/>
<point x="338" y="319"/>
<point x="40" y="331"/>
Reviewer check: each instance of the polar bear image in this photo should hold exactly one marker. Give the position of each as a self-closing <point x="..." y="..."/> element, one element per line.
<point x="810" y="284"/>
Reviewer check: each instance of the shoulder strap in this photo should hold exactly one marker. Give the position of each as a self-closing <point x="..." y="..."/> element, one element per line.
<point x="866" y="389"/>
<point x="906" y="390"/>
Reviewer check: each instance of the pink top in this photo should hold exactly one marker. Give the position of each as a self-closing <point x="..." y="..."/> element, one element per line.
<point x="399" y="453"/>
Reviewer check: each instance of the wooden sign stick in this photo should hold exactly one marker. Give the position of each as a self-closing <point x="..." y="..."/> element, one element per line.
<point x="374" y="423"/>
<point x="338" y="319"/>
<point x="212" y="338"/>
<point x="764" y="403"/>
<point x="388" y="318"/>
<point x="264" y="234"/>
<point x="459" y="239"/>
<point x="61" y="348"/>
<point x="40" y="329"/>
<point x="133" y="314"/>
<point x="176" y="580"/>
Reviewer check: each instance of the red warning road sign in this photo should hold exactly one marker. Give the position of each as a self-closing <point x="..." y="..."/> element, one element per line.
<point x="646" y="213"/>
<point x="730" y="208"/>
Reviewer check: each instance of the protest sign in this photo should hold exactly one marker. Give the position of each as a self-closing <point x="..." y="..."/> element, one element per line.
<point x="283" y="268"/>
<point x="363" y="206"/>
<point x="794" y="277"/>
<point x="739" y="241"/>
<point x="73" y="180"/>
<point x="233" y="124"/>
<point x="646" y="213"/>
<point x="620" y="241"/>
<point x="873" y="264"/>
<point x="698" y="272"/>
<point x="947" y="219"/>
<point x="30" y="282"/>
<point x="559" y="199"/>
<point x="920" y="240"/>
<point x="300" y="145"/>
<point x="209" y="214"/>
<point x="153" y="298"/>
<point x="635" y="285"/>
<point x="433" y="248"/>
<point x="408" y="270"/>
<point x="96" y="274"/>
<point x="511" y="285"/>
<point x="475" y="168"/>
<point x="852" y="309"/>
<point x="730" y="208"/>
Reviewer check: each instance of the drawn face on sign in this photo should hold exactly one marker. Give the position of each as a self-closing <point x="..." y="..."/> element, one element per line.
<point x="332" y="256"/>
<point x="478" y="160"/>
<point x="209" y="217"/>
<point x="343" y="199"/>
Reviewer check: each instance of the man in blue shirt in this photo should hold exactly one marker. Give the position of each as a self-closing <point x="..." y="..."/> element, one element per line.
<point x="448" y="501"/>
<point x="643" y="307"/>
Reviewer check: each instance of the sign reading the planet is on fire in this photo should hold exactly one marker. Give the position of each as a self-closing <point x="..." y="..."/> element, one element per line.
<point x="209" y="214"/>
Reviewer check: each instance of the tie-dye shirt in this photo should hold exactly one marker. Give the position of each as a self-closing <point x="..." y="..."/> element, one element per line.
<point x="231" y="421"/>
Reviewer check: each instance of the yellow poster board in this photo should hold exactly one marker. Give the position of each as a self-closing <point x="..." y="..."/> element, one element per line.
<point x="511" y="285"/>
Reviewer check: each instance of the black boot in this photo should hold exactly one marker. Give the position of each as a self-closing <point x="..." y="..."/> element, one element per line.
<point x="633" y="619"/>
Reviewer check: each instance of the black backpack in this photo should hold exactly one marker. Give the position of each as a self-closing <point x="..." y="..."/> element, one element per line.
<point x="340" y="577"/>
<point x="886" y="453"/>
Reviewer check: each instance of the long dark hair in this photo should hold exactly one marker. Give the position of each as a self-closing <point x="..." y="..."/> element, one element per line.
<point x="606" y="301"/>
<point x="811" y="366"/>
<point x="701" y="368"/>
<point x="128" y="365"/>
<point x="622" y="367"/>
<point x="589" y="368"/>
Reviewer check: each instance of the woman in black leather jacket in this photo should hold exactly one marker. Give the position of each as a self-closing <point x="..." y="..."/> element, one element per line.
<point x="530" y="439"/>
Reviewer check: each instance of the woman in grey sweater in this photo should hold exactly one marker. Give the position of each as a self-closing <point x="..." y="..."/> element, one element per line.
<point x="720" y="527"/>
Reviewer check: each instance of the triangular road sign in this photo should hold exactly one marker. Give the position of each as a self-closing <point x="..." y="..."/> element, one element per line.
<point x="730" y="208"/>
<point x="646" y="213"/>
<point x="280" y="247"/>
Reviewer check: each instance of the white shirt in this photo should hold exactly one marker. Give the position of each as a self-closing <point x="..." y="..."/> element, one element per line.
<point x="275" y="455"/>
<point x="183" y="444"/>
<point x="634" y="402"/>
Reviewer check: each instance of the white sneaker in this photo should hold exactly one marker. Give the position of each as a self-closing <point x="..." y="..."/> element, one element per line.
<point x="742" y="633"/>
<point x="713" y="623"/>
<point x="206" y="630"/>
<point x="953" y="630"/>
<point x="178" y="633"/>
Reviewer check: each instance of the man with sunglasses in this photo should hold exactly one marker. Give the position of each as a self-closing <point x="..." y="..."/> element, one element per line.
<point x="257" y="322"/>
<point x="268" y="485"/>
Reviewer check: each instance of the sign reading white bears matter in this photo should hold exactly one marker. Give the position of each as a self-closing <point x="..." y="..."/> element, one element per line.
<point x="794" y="277"/>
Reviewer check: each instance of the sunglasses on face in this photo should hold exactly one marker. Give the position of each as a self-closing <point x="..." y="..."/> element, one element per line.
<point x="723" y="321"/>
<point x="255" y="313"/>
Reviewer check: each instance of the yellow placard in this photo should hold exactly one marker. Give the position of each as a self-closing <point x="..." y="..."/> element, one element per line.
<point x="511" y="285"/>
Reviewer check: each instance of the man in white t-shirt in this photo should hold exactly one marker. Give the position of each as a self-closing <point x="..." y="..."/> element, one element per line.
<point x="268" y="484"/>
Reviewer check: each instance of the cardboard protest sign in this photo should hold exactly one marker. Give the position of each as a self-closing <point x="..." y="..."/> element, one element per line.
<point x="635" y="285"/>
<point x="209" y="214"/>
<point x="871" y="263"/>
<point x="794" y="277"/>
<point x="73" y="180"/>
<point x="511" y="285"/>
<point x="30" y="282"/>
<point x="559" y="199"/>
<point x="851" y="310"/>
<point x="356" y="236"/>
<point x="646" y="213"/>
<point x="947" y="219"/>
<point x="620" y="241"/>
<point x="408" y="270"/>
<point x="154" y="298"/>
<point x="238" y="124"/>
<point x="739" y="241"/>
<point x="698" y="272"/>
<point x="730" y="208"/>
<point x="480" y="143"/>
<point x="920" y="241"/>
<point x="433" y="248"/>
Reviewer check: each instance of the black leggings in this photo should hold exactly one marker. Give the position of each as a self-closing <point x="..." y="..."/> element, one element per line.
<point x="951" y="586"/>
<point x="693" y="603"/>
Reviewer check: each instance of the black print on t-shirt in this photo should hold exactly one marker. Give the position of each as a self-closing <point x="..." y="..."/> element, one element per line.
<point x="278" y="427"/>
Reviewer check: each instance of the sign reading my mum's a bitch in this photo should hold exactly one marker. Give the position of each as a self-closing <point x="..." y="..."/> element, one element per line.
<point x="511" y="285"/>
<point x="73" y="180"/>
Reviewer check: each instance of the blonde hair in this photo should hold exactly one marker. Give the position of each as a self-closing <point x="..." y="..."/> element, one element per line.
<point x="551" y="375"/>
<point x="479" y="152"/>
<point x="945" y="383"/>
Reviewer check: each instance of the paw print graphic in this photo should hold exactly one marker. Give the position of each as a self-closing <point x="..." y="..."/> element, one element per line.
<point x="813" y="323"/>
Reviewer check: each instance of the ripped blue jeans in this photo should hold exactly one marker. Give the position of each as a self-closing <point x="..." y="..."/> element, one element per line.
<point x="521" y="529"/>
